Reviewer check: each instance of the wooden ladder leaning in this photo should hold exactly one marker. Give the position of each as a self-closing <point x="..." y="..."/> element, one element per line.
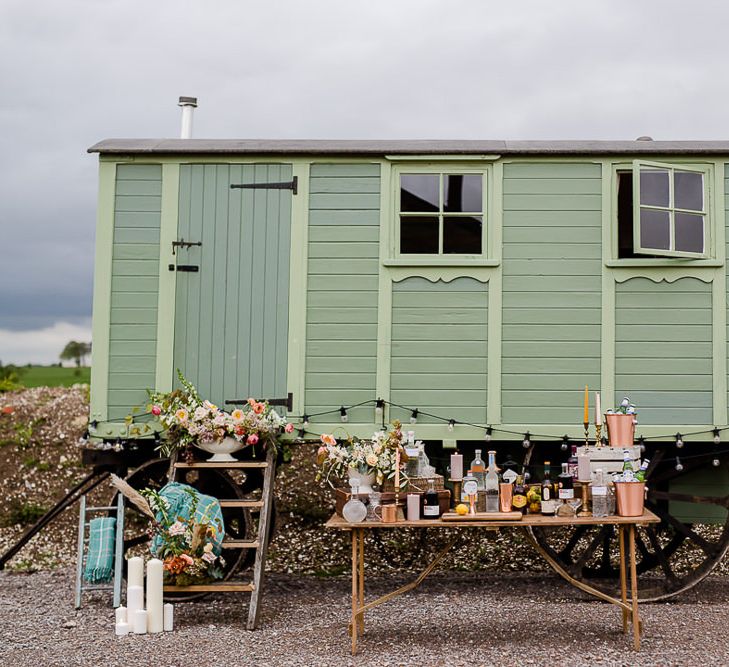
<point x="260" y="543"/>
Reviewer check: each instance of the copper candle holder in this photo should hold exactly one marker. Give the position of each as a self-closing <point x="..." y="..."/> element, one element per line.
<point x="584" y="508"/>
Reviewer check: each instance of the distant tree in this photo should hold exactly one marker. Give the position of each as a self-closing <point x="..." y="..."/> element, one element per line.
<point x="76" y="351"/>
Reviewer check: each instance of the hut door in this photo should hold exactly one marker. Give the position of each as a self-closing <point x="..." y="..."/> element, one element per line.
<point x="231" y="314"/>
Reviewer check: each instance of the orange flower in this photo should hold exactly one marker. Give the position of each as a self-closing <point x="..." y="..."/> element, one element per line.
<point x="329" y="440"/>
<point x="258" y="408"/>
<point x="175" y="564"/>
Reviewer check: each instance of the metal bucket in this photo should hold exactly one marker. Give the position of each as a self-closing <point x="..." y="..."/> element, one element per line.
<point x="621" y="430"/>
<point x="629" y="498"/>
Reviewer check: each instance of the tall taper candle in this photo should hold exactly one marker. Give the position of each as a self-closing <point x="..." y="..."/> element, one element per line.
<point x="598" y="410"/>
<point x="586" y="419"/>
<point x="155" y="610"/>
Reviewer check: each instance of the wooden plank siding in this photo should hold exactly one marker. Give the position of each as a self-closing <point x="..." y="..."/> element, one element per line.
<point x="342" y="289"/>
<point x="551" y="290"/>
<point x="669" y="384"/>
<point x="726" y="229"/>
<point x="134" y="287"/>
<point x="439" y="349"/>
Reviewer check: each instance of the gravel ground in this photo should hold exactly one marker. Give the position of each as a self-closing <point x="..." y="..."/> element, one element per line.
<point x="453" y="619"/>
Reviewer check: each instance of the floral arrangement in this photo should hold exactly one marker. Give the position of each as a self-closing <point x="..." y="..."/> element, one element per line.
<point x="189" y="419"/>
<point x="378" y="456"/>
<point x="185" y="547"/>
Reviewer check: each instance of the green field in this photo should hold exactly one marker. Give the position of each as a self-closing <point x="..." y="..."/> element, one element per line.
<point x="53" y="376"/>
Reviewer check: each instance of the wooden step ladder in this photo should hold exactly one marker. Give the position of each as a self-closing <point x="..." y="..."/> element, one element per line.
<point x="260" y="544"/>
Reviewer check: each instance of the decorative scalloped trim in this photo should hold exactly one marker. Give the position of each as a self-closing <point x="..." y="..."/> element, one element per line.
<point x="443" y="274"/>
<point x="667" y="275"/>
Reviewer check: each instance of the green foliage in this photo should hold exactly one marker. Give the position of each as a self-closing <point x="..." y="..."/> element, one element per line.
<point x="76" y="351"/>
<point x="55" y="376"/>
<point x="23" y="514"/>
<point x="24" y="432"/>
<point x="9" y="377"/>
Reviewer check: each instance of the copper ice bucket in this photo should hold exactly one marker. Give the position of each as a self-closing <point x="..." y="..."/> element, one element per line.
<point x="621" y="430"/>
<point x="629" y="498"/>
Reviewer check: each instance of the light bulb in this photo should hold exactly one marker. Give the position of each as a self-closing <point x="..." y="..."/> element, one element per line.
<point x="716" y="462"/>
<point x="526" y="443"/>
<point x="679" y="465"/>
<point x="451" y="424"/>
<point x="379" y="407"/>
<point x="717" y="437"/>
<point x="414" y="417"/>
<point x="641" y="442"/>
<point x="679" y="441"/>
<point x="343" y="413"/>
<point x="487" y="435"/>
<point x="565" y="444"/>
<point x="527" y="475"/>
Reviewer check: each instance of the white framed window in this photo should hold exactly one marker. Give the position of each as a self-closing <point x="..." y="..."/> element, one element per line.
<point x="663" y="211"/>
<point x="440" y="213"/>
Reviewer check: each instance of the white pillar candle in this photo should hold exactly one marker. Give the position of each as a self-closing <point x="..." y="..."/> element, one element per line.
<point x="135" y="601"/>
<point x="583" y="467"/>
<point x="140" y="622"/>
<point x="121" y="629"/>
<point x="135" y="571"/>
<point x="598" y="410"/>
<point x="456" y="466"/>
<point x="413" y="507"/>
<point x="155" y="621"/>
<point x="169" y="611"/>
<point x="121" y="614"/>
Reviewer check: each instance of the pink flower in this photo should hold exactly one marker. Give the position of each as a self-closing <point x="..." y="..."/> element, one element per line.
<point x="289" y="428"/>
<point x="156" y="410"/>
<point x="258" y="408"/>
<point x="187" y="558"/>
<point x="177" y="528"/>
<point x="328" y="439"/>
<point x="252" y="439"/>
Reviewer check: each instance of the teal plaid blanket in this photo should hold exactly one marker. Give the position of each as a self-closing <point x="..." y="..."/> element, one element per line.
<point x="180" y="504"/>
<point x="100" y="558"/>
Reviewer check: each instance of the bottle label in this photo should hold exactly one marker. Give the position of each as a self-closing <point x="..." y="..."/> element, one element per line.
<point x="599" y="490"/>
<point x="518" y="501"/>
<point x="566" y="494"/>
<point x="431" y="510"/>
<point x="510" y="476"/>
<point x="546" y="493"/>
<point x="548" y="507"/>
<point x="470" y="488"/>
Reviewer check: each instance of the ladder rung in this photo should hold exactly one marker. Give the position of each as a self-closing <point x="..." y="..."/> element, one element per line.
<point x="223" y="464"/>
<point x="241" y="503"/>
<point x="240" y="544"/>
<point x="222" y="587"/>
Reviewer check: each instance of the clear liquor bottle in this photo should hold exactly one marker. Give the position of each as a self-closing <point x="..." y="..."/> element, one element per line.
<point x="478" y="470"/>
<point x="491" y="484"/>
<point x="600" y="497"/>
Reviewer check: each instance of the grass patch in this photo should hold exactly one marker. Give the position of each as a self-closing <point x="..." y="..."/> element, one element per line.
<point x="53" y="376"/>
<point x="24" y="514"/>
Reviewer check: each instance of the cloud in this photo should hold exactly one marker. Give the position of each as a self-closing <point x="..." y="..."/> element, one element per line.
<point x="40" y="346"/>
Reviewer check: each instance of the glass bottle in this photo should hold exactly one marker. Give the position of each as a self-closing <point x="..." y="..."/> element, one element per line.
<point x="572" y="463"/>
<point x="469" y="493"/>
<point x="354" y="510"/>
<point x="431" y="508"/>
<point x="547" y="491"/>
<point x="600" y="498"/>
<point x="478" y="469"/>
<point x="510" y="466"/>
<point x="423" y="461"/>
<point x="519" y="499"/>
<point x="640" y="475"/>
<point x="491" y="484"/>
<point x="566" y="484"/>
<point x="628" y="469"/>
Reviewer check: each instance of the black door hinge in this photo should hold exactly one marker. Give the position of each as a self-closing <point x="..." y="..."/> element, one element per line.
<point x="190" y="268"/>
<point x="292" y="185"/>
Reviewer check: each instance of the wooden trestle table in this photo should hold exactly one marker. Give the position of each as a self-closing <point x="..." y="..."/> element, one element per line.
<point x="626" y="528"/>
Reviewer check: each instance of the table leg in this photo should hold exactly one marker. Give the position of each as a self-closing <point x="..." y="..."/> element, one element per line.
<point x="353" y="626"/>
<point x="623" y="577"/>
<point x="634" y="587"/>
<point x="361" y="580"/>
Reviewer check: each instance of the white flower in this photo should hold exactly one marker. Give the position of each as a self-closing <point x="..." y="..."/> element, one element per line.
<point x="200" y="414"/>
<point x="209" y="557"/>
<point x="177" y="528"/>
<point x="371" y="459"/>
<point x="208" y="547"/>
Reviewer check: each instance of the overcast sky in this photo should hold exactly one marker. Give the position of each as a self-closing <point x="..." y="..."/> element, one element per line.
<point x="75" y="72"/>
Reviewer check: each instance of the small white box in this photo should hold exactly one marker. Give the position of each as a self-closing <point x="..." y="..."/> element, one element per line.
<point x="610" y="459"/>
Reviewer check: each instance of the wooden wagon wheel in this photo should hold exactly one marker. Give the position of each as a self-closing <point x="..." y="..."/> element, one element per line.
<point x="238" y="521"/>
<point x="673" y="556"/>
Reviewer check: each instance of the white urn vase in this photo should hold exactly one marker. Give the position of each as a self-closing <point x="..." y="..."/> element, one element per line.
<point x="221" y="451"/>
<point x="366" y="480"/>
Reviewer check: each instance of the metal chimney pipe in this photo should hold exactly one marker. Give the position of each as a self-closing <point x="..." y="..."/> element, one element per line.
<point x="187" y="104"/>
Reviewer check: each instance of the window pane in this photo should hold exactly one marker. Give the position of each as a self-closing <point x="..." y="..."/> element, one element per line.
<point x="654" y="187"/>
<point x="419" y="192"/>
<point x="462" y="193"/>
<point x="655" y="229"/>
<point x="462" y="235"/>
<point x="689" y="232"/>
<point x="688" y="190"/>
<point x="419" y="234"/>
